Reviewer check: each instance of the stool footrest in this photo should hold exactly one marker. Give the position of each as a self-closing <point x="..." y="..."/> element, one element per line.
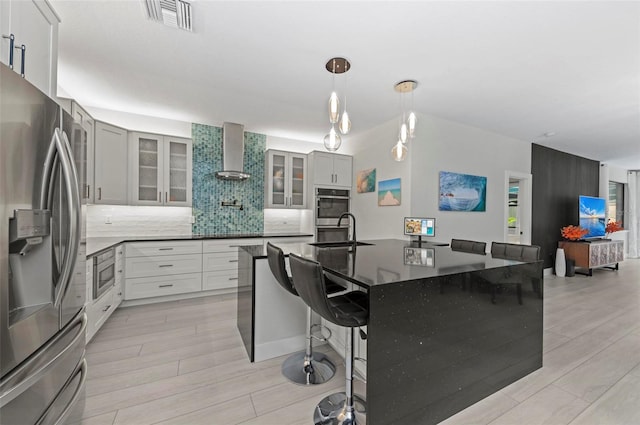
<point x="322" y="328"/>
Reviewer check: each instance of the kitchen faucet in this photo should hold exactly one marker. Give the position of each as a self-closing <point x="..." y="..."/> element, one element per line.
<point x="348" y="214"/>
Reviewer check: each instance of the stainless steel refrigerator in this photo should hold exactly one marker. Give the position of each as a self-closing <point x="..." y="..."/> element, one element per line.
<point x="42" y="257"/>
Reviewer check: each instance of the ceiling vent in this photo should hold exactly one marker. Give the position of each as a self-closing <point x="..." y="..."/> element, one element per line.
<point x="172" y="13"/>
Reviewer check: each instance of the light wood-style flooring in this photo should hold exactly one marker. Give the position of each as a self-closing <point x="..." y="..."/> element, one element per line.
<point x="183" y="363"/>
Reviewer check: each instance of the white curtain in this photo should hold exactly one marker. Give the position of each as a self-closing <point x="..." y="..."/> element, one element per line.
<point x="634" y="214"/>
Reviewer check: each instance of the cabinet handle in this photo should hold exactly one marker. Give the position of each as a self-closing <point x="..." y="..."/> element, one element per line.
<point x="233" y="261"/>
<point x="169" y="285"/>
<point x="159" y="196"/>
<point x="166" y="197"/>
<point x="88" y="191"/>
<point x="119" y="293"/>
<point x="107" y="308"/>
<point x="99" y="194"/>
<point x="233" y="278"/>
<point x="165" y="249"/>
<point x="23" y="48"/>
<point x="165" y="265"/>
<point x="12" y="39"/>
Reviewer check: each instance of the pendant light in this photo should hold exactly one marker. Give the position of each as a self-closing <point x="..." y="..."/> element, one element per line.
<point x="408" y="121"/>
<point x="333" y="140"/>
<point x="399" y="151"/>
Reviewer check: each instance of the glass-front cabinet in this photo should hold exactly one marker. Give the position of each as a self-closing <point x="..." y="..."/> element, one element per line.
<point x="285" y="180"/>
<point x="161" y="170"/>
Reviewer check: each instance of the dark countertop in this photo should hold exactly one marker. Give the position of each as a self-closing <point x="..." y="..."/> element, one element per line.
<point x="97" y="244"/>
<point x="389" y="261"/>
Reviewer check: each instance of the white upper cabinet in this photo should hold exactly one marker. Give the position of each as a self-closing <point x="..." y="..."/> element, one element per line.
<point x="330" y="169"/>
<point x="34" y="24"/>
<point x="88" y="124"/>
<point x="110" y="164"/>
<point x="160" y="170"/>
<point x="285" y="180"/>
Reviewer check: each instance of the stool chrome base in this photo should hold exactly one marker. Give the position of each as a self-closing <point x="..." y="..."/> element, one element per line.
<point x="332" y="411"/>
<point x="299" y="371"/>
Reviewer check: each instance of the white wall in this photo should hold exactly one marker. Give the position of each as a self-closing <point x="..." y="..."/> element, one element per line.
<point x="450" y="146"/>
<point x="440" y="145"/>
<point x="373" y="150"/>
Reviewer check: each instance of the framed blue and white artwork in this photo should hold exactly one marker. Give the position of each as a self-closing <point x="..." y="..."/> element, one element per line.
<point x="462" y="192"/>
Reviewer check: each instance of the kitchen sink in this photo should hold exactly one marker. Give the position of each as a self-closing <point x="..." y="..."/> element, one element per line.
<point x="342" y="244"/>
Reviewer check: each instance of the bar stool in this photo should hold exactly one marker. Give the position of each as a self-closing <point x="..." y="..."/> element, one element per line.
<point x="304" y="367"/>
<point x="349" y="310"/>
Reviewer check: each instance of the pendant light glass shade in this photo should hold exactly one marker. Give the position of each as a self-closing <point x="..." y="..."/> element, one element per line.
<point x="403" y="133"/>
<point x="334" y="108"/>
<point x="399" y="151"/>
<point x="332" y="141"/>
<point x="345" y="123"/>
<point x="412" y="120"/>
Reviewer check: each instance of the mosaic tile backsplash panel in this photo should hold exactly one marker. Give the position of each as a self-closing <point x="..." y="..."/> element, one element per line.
<point x="209" y="192"/>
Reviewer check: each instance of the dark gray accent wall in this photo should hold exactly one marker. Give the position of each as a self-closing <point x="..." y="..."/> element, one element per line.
<point x="558" y="179"/>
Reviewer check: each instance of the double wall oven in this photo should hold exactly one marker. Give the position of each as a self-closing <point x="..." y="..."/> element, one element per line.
<point x="330" y="205"/>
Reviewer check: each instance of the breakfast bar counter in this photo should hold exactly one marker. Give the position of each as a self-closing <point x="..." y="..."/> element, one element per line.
<point x="446" y="328"/>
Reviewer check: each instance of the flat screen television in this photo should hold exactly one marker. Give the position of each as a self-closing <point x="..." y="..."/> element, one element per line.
<point x="419" y="226"/>
<point x="592" y="216"/>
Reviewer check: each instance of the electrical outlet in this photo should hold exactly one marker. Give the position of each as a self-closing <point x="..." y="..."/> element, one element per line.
<point x="107" y="220"/>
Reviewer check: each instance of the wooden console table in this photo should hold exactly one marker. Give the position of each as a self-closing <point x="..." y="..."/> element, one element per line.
<point x="598" y="253"/>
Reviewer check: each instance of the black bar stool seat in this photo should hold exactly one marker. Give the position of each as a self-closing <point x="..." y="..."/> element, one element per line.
<point x="349" y="310"/>
<point x="304" y="367"/>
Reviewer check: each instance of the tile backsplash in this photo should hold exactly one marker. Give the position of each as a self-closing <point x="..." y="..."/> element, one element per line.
<point x="209" y="192"/>
<point x="123" y="220"/>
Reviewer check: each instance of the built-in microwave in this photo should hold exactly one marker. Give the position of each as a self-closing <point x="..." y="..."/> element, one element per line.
<point x="330" y="205"/>
<point x="104" y="272"/>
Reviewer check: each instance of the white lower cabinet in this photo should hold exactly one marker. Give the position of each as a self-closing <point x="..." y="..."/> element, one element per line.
<point x="220" y="262"/>
<point x="156" y="269"/>
<point x="99" y="311"/>
<point x="157" y="286"/>
<point x="119" y="285"/>
<point x="162" y="265"/>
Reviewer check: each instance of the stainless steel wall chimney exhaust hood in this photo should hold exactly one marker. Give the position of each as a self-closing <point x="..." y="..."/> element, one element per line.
<point x="232" y="153"/>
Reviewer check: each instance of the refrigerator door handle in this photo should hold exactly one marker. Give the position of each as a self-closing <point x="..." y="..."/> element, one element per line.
<point x="21" y="383"/>
<point x="73" y="191"/>
<point x="82" y="370"/>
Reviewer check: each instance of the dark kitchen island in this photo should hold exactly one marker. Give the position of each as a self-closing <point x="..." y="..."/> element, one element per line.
<point x="446" y="328"/>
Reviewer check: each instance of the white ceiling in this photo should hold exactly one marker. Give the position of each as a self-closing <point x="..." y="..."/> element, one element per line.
<point x="517" y="68"/>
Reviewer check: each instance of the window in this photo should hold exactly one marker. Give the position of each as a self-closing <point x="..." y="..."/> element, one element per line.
<point x="616" y="202"/>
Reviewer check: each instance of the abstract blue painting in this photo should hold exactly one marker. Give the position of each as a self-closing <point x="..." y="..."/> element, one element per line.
<point x="462" y="192"/>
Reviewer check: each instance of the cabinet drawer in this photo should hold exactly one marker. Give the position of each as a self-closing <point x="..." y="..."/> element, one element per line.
<point x="221" y="279"/>
<point x="146" y="287"/>
<point x="163" y="265"/>
<point x="227" y="245"/>
<point x="147" y="249"/>
<point x="219" y="261"/>
<point x="100" y="310"/>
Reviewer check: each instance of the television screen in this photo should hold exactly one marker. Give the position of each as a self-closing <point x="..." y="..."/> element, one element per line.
<point x="592" y="216"/>
<point x="416" y="226"/>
